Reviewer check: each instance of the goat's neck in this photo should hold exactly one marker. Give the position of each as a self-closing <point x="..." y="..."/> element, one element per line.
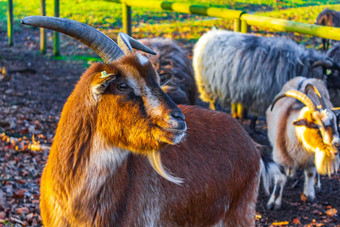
<point x="104" y="181"/>
<point x="104" y="161"/>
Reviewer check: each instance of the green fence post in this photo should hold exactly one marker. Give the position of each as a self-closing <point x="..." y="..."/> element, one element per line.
<point x="237" y="25"/>
<point x="42" y="30"/>
<point x="10" y="22"/>
<point x="126" y="19"/>
<point x="56" y="34"/>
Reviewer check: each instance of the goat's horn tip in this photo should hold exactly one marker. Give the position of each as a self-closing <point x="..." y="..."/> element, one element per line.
<point x="153" y="52"/>
<point x="25" y="20"/>
<point x="22" y="21"/>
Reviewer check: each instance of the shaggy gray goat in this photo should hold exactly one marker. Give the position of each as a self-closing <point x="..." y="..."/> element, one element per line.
<point x="328" y="17"/>
<point x="303" y="132"/>
<point x="242" y="68"/>
<point x="172" y="59"/>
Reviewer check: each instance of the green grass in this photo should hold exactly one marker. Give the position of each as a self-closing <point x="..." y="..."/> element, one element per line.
<point x="87" y="60"/>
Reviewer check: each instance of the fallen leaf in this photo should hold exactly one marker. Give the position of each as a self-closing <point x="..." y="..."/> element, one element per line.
<point x="258" y="216"/>
<point x="2" y="215"/>
<point x="303" y="197"/>
<point x="296" y="221"/>
<point x="20" y="193"/>
<point x="280" y="223"/>
<point x="17" y="220"/>
<point x="3" y="204"/>
<point x="22" y="210"/>
<point x="29" y="216"/>
<point x="331" y="212"/>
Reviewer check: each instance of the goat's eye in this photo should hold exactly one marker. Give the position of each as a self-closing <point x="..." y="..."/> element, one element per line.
<point x="122" y="86"/>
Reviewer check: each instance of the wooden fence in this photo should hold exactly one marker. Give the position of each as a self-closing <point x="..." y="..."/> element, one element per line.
<point x="242" y="20"/>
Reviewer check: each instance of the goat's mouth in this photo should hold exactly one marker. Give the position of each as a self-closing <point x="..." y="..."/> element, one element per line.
<point x="179" y="130"/>
<point x="174" y="126"/>
<point x="334" y="152"/>
<point x="172" y="135"/>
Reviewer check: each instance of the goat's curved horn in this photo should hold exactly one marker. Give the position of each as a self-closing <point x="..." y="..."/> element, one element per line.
<point x="321" y="99"/>
<point x="105" y="47"/>
<point x="336" y="110"/>
<point x="126" y="43"/>
<point x="326" y="63"/>
<point x="297" y="95"/>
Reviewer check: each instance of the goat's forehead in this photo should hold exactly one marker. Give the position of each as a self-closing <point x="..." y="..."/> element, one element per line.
<point x="138" y="76"/>
<point x="139" y="67"/>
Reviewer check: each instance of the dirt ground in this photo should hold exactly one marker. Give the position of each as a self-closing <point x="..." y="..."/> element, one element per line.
<point x="33" y="92"/>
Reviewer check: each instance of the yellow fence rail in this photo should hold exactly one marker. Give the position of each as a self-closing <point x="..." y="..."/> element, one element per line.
<point x="291" y="26"/>
<point x="236" y="15"/>
<point x="179" y="7"/>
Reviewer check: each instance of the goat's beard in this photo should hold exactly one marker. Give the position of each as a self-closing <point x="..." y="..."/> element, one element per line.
<point x="326" y="163"/>
<point x="156" y="163"/>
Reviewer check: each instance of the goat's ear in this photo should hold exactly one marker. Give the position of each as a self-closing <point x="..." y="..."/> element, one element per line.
<point x="305" y="123"/>
<point x="101" y="85"/>
<point x="165" y="78"/>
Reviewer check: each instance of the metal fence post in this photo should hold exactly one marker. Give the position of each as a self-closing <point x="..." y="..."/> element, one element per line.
<point x="56" y="34"/>
<point x="237" y="25"/>
<point x="10" y="22"/>
<point x="244" y="26"/>
<point x="126" y="18"/>
<point x="237" y="109"/>
<point x="42" y="30"/>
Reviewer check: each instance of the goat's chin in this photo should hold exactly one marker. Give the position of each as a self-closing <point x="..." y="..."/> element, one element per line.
<point x="326" y="163"/>
<point x="172" y="138"/>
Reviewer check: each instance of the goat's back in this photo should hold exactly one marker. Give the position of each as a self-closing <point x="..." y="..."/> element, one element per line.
<point x="234" y="67"/>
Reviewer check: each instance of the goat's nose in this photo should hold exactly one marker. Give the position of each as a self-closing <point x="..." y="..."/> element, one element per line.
<point x="178" y="115"/>
<point x="176" y="121"/>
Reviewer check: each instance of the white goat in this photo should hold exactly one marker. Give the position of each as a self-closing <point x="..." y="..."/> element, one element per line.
<point x="303" y="133"/>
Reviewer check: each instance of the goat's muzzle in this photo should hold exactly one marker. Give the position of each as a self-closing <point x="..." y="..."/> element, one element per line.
<point x="336" y="144"/>
<point x="176" y="122"/>
<point x="175" y="127"/>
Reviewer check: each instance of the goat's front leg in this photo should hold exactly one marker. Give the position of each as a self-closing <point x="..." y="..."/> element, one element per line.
<point x="317" y="182"/>
<point x="308" y="188"/>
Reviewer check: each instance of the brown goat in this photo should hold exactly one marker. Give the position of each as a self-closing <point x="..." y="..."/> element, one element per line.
<point x="172" y="59"/>
<point x="330" y="18"/>
<point x="117" y="117"/>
